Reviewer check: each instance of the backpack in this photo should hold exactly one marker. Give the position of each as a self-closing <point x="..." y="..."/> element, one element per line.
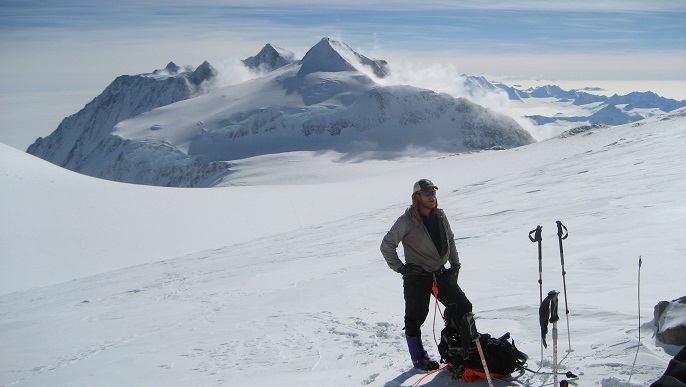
<point x="458" y="350"/>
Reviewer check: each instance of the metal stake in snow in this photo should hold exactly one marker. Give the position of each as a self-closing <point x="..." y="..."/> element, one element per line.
<point x="638" y="347"/>
<point x="639" y="299"/>
<point x="535" y="236"/>
<point x="562" y="235"/>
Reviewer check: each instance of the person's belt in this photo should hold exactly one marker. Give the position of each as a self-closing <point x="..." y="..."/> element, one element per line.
<point x="436" y="272"/>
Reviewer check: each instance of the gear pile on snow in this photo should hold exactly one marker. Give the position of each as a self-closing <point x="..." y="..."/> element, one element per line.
<point x="460" y="352"/>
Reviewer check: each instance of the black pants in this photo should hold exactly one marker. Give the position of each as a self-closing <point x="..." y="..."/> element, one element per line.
<point x="417" y="291"/>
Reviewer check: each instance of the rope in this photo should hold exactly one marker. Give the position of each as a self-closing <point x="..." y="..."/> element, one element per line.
<point x="419" y="382"/>
<point x="434" y="290"/>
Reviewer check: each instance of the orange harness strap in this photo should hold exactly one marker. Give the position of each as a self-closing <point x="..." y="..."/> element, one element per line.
<point x="471" y="375"/>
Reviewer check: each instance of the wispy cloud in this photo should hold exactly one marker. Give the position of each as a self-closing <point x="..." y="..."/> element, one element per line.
<point x="490" y="27"/>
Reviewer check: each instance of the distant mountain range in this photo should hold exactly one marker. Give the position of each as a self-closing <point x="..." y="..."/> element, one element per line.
<point x="174" y="127"/>
<point x="614" y="110"/>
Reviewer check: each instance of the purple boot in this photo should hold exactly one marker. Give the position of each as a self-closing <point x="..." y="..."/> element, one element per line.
<point x="420" y="359"/>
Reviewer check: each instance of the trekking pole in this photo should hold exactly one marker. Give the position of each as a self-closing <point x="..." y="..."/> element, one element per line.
<point x="549" y="308"/>
<point x="639" y="299"/>
<point x="469" y="324"/>
<point x="638" y="347"/>
<point x="553" y="319"/>
<point x="537" y="238"/>
<point x="562" y="235"/>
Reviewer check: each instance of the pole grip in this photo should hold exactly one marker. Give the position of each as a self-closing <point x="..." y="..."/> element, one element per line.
<point x="536" y="234"/>
<point x="562" y="235"/>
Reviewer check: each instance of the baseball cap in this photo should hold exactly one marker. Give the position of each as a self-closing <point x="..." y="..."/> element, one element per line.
<point x="424" y="185"/>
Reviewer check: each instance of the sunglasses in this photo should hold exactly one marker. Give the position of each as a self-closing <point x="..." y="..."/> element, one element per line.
<point x="429" y="193"/>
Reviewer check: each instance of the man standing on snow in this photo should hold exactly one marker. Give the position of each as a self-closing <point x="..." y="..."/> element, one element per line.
<point x="428" y="243"/>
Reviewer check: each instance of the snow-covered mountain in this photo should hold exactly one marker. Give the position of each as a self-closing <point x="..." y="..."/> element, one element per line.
<point x="78" y="135"/>
<point x="82" y="140"/>
<point x="613" y="110"/>
<point x="270" y="58"/>
<point x="279" y="281"/>
<point x="139" y="131"/>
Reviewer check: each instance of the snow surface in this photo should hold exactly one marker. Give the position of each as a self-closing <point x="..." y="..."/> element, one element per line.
<point x="278" y="280"/>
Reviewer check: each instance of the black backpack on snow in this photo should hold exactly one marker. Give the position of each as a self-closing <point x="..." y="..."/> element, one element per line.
<point x="457" y="348"/>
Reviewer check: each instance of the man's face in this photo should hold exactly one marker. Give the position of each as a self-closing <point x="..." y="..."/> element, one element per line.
<point x="427" y="199"/>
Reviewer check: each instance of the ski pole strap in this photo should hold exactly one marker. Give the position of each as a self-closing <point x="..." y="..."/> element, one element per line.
<point x="554" y="317"/>
<point x="548" y="312"/>
<point x="536" y="234"/>
<point x="562" y="235"/>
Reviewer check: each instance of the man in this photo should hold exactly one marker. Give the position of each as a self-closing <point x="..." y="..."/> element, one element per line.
<point x="428" y="244"/>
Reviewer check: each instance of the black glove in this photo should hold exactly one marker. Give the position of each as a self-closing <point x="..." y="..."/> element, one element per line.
<point x="454" y="272"/>
<point x="411" y="269"/>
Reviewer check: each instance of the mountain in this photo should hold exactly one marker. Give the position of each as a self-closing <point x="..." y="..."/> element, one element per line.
<point x="607" y="115"/>
<point x="646" y="100"/>
<point x="614" y="110"/>
<point x="333" y="56"/>
<point x="76" y="141"/>
<point x="138" y="131"/>
<point x="635" y="100"/>
<point x="270" y="58"/>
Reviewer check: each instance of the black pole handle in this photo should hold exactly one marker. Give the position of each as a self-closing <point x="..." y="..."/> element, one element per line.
<point x="561" y="227"/>
<point x="537" y="236"/>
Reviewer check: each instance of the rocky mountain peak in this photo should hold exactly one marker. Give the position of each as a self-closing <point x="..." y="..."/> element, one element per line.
<point x="329" y="55"/>
<point x="269" y="58"/>
<point x="204" y="72"/>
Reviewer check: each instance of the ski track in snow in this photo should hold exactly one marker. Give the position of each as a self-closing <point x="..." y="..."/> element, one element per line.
<point x="318" y="305"/>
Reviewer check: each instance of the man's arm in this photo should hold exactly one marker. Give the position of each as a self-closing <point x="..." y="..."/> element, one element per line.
<point x="389" y="245"/>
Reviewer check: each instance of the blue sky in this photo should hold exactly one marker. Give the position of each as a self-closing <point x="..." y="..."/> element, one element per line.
<point x="466" y="33"/>
<point x="77" y="47"/>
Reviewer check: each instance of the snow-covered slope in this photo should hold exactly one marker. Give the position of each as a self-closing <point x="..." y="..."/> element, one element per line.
<point x="58" y="225"/>
<point x="323" y="102"/>
<point x="282" y="283"/>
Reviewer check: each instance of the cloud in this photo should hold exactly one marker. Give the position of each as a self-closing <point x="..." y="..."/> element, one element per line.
<point x="446" y="78"/>
<point x="233" y="72"/>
